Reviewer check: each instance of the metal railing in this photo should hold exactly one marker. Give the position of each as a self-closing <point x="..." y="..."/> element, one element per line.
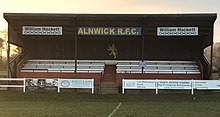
<point x="207" y="68"/>
<point x="13" y="64"/>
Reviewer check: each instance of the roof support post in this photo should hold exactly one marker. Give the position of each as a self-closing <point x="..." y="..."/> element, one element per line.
<point x="142" y="54"/>
<point x="75" y="38"/>
<point x="8" y="58"/>
<point x="211" y="57"/>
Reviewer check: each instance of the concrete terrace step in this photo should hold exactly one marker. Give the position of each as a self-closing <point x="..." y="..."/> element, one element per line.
<point x="108" y="88"/>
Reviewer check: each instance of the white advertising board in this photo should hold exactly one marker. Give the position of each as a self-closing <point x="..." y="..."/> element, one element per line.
<point x="140" y="84"/>
<point x="177" y="31"/>
<point x="174" y="84"/>
<point x="207" y="84"/>
<point x="76" y="83"/>
<point x="42" y="30"/>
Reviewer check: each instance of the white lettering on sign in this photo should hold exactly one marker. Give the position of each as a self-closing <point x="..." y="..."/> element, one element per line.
<point x="42" y="30"/>
<point x="177" y="31"/>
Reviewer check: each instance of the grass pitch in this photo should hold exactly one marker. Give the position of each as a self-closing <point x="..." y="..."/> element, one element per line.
<point x="66" y="104"/>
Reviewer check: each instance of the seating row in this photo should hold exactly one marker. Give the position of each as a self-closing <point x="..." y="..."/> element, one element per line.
<point x="97" y="66"/>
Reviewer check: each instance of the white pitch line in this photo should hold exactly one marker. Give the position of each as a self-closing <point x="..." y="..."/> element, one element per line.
<point x="115" y="110"/>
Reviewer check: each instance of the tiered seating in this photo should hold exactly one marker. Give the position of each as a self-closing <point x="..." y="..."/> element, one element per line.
<point x="90" y="66"/>
<point x="49" y="66"/>
<point x="174" y="67"/>
<point x="97" y="66"/>
<point x="166" y="67"/>
<point x="62" y="66"/>
<point x="128" y="67"/>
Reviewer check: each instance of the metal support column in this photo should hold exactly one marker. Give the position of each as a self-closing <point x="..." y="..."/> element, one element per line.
<point x="142" y="54"/>
<point x="211" y="57"/>
<point x="75" y="38"/>
<point x="8" y="59"/>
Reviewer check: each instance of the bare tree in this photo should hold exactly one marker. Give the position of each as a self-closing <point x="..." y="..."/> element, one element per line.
<point x="1" y="48"/>
<point x="4" y="37"/>
<point x="14" y="50"/>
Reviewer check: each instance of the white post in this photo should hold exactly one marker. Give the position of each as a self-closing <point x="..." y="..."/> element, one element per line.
<point x="156" y="86"/>
<point x="192" y="86"/>
<point x="123" y="90"/>
<point x="24" y="85"/>
<point x="93" y="86"/>
<point x="58" y="85"/>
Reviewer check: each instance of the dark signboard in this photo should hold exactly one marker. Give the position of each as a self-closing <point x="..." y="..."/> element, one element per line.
<point x="110" y="31"/>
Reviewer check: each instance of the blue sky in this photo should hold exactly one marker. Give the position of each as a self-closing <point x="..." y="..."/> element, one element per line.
<point x="111" y="6"/>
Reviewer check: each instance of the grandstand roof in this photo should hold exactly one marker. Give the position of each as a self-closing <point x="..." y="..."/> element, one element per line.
<point x="147" y="45"/>
<point x="203" y="20"/>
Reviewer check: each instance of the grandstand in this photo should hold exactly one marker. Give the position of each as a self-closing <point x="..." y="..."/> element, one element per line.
<point x="111" y="47"/>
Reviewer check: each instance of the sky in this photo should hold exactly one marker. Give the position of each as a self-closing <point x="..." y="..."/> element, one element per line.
<point x="111" y="6"/>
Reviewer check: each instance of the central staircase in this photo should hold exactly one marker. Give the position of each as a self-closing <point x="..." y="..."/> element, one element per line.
<point x="108" y="82"/>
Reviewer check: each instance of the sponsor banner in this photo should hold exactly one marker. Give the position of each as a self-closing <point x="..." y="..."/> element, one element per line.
<point x="41" y="82"/>
<point x="140" y="84"/>
<point x="174" y="84"/>
<point x="42" y="30"/>
<point x="177" y="31"/>
<point x="76" y="83"/>
<point x="41" y="85"/>
<point x="110" y="31"/>
<point x="207" y="84"/>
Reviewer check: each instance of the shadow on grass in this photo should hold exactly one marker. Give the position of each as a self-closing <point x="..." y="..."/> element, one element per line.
<point x="207" y="96"/>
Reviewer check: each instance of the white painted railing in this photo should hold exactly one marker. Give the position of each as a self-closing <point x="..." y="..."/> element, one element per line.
<point x="170" y="84"/>
<point x="76" y="83"/>
<point x="23" y="85"/>
<point x="55" y="82"/>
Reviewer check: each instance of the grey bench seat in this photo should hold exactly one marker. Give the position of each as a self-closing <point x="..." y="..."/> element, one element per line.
<point x="63" y="65"/>
<point x="123" y="66"/>
<point x="184" y="71"/>
<point x="168" y="66"/>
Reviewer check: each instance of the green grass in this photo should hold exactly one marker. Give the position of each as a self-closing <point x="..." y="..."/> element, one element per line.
<point x="66" y="104"/>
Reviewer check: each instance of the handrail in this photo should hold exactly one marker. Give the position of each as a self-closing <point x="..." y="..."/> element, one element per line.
<point x="13" y="64"/>
<point x="201" y="68"/>
<point x="209" y="73"/>
<point x="22" y="52"/>
<point x="206" y="67"/>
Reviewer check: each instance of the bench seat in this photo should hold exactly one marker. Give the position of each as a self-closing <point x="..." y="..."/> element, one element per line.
<point x="123" y="66"/>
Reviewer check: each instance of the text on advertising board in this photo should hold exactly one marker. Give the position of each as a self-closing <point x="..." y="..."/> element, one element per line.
<point x="174" y="84"/>
<point x="41" y="30"/>
<point x="139" y="84"/>
<point x="76" y="83"/>
<point x="207" y="84"/>
<point x="111" y="31"/>
<point x="177" y="31"/>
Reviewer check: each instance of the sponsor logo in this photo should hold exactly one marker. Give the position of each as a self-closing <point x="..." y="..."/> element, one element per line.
<point x="65" y="83"/>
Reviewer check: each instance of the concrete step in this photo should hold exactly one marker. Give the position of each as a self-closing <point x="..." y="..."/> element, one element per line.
<point x="108" y="81"/>
<point x="109" y="71"/>
<point x="108" y="78"/>
<point x="108" y="88"/>
<point x="109" y="75"/>
<point x="109" y="85"/>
